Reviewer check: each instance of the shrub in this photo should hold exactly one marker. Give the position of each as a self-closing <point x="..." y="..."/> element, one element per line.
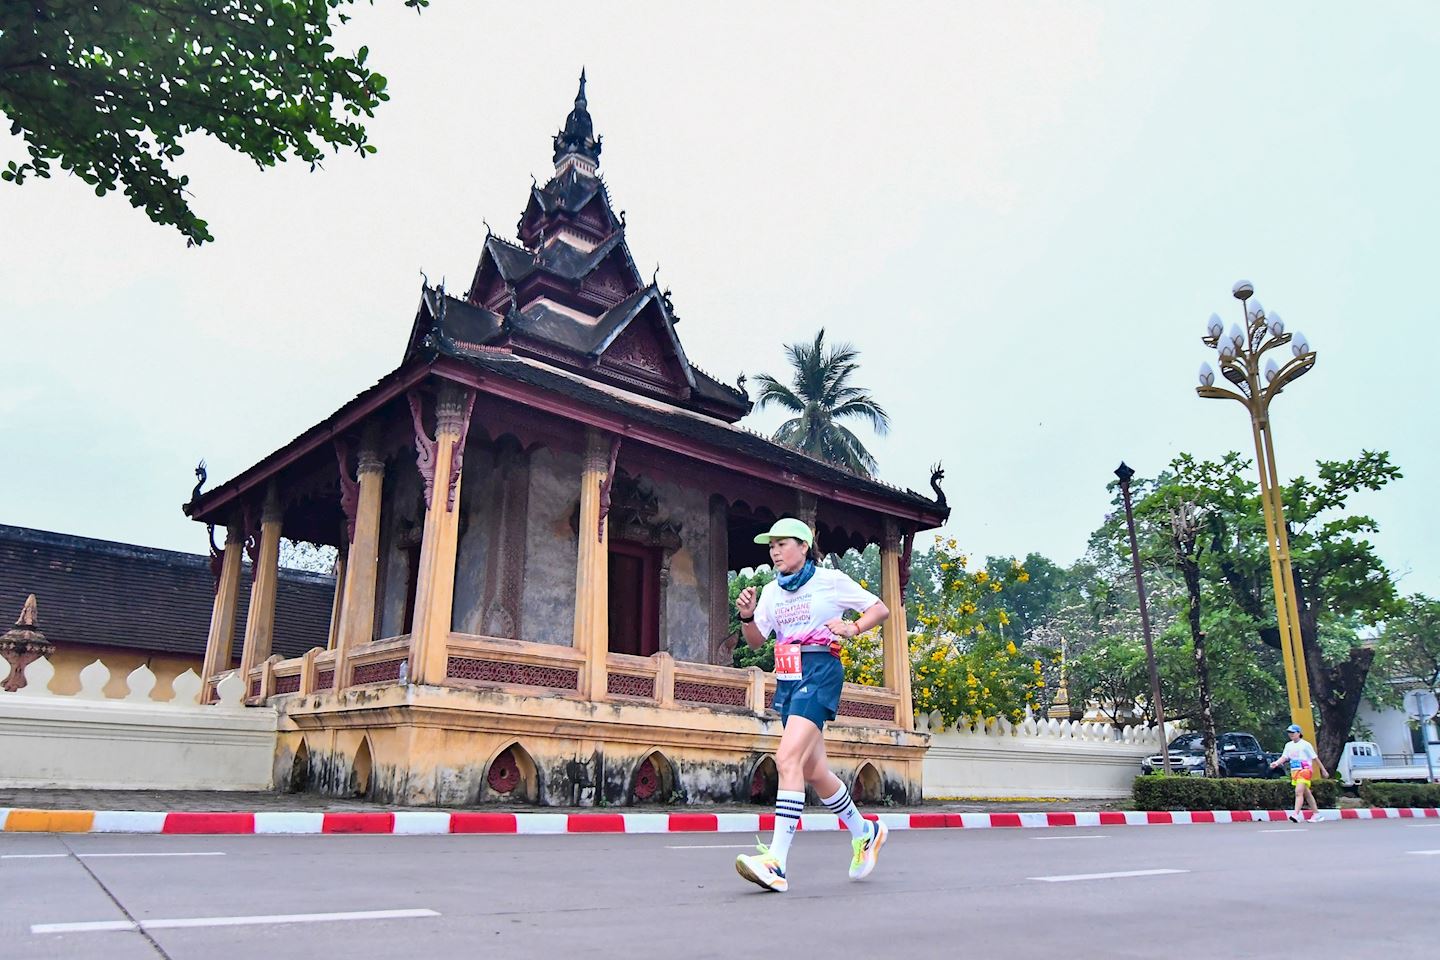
<point x="1159" y="792"/>
<point x="1401" y="794"/>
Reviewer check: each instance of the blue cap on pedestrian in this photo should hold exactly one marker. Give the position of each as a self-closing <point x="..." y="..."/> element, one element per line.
<point x="1293" y="728"/>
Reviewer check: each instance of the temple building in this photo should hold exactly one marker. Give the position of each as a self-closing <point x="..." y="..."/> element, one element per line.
<point x="537" y="513"/>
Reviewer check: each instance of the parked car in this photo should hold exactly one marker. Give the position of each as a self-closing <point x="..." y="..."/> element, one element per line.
<point x="1363" y="761"/>
<point x="1240" y="755"/>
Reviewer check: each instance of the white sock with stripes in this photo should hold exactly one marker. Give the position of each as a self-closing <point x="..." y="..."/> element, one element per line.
<point x="844" y="807"/>
<point x="788" y="805"/>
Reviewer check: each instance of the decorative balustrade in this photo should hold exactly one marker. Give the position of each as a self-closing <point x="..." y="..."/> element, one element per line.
<point x="1082" y="731"/>
<point x="702" y="685"/>
<point x="519" y="666"/>
<point x="139" y="684"/>
<point x="382" y="661"/>
<point x="131" y="741"/>
<point x="473" y="661"/>
<point x="633" y="678"/>
<point x="860" y="704"/>
<point x="1033" y="758"/>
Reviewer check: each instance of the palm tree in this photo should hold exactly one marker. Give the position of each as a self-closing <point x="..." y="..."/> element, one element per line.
<point x="820" y="396"/>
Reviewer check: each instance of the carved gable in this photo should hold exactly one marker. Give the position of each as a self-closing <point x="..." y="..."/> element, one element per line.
<point x="642" y="352"/>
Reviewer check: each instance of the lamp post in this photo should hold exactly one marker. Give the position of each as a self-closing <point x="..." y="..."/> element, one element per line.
<point x="1125" y="473"/>
<point x="1258" y="380"/>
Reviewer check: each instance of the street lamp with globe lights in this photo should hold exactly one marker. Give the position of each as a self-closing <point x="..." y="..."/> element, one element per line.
<point x="1256" y="380"/>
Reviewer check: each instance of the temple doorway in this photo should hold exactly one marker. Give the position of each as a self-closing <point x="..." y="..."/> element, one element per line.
<point x="634" y="599"/>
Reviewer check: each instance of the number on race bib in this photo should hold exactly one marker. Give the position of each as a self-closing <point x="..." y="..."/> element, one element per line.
<point x="787" y="661"/>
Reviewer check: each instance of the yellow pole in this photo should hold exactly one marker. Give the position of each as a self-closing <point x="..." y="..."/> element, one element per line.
<point x="1282" y="609"/>
<point x="1287" y="575"/>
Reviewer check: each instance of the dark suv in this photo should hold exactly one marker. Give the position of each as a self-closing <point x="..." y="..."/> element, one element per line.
<point x="1240" y="756"/>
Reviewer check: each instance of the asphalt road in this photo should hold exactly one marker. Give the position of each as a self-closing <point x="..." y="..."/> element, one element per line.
<point x="1235" y="890"/>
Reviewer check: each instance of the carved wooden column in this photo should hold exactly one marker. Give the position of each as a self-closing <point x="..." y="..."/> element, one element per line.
<point x="440" y="461"/>
<point x="592" y="571"/>
<point x="895" y="631"/>
<point x="220" y="641"/>
<point x="362" y="559"/>
<point x="260" y="619"/>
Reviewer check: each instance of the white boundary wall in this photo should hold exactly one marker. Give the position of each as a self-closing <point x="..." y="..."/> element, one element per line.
<point x="1044" y="758"/>
<point x="135" y="743"/>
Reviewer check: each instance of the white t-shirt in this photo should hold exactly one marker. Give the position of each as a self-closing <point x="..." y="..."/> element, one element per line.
<point x="1298" y="753"/>
<point x="827" y="595"/>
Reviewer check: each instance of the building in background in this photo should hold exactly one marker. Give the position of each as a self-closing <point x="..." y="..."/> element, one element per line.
<point x="127" y="605"/>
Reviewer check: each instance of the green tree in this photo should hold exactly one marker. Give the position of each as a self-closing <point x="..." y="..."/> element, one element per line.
<point x="821" y="395"/>
<point x="744" y="655"/>
<point x="1340" y="583"/>
<point x="108" y="88"/>
<point x="1408" y="653"/>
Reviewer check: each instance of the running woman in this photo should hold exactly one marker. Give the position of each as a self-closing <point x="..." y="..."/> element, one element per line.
<point x="1301" y="757"/>
<point x="805" y="607"/>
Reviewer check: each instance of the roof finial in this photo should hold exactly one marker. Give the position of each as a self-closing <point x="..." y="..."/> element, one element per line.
<point x="577" y="137"/>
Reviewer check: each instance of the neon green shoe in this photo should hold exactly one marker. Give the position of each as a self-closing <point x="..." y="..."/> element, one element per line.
<point x="762" y="869"/>
<point x="867" y="851"/>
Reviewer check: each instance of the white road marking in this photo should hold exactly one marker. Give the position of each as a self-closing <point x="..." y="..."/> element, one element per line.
<point x="1424" y="826"/>
<point x="1285" y="830"/>
<point x="103" y="926"/>
<point x="88" y="856"/>
<point x="1106" y="876"/>
<point x="714" y="846"/>
<point x="1083" y="836"/>
<point x="1423" y="853"/>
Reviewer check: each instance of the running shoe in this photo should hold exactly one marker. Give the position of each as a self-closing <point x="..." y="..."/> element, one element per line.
<point x="867" y="851"/>
<point x="1316" y="817"/>
<point x="762" y="869"/>
<point x="1293" y="817"/>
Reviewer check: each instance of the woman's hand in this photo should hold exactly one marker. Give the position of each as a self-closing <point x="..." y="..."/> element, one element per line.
<point x="842" y="628"/>
<point x="745" y="603"/>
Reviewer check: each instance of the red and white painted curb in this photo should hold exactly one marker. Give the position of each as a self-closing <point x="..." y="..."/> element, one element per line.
<point x="433" y="822"/>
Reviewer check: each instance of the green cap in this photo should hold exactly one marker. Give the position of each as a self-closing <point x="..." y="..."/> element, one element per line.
<point x="787" y="527"/>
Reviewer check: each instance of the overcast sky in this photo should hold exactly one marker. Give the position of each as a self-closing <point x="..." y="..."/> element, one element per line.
<point x="1021" y="213"/>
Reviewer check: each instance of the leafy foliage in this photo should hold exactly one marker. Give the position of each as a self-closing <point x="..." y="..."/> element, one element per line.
<point x="1400" y="794"/>
<point x="821" y="395"/>
<point x="762" y="656"/>
<point x="964" y="664"/>
<point x="109" y="88"/>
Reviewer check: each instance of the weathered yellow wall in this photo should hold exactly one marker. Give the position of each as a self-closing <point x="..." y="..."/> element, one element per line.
<point x="70" y="658"/>
<point x="432" y="746"/>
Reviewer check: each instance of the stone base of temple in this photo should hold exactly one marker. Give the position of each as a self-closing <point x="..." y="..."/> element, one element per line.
<point x="442" y="746"/>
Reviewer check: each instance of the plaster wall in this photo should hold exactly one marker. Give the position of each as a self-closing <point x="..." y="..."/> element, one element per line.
<point x="478" y="497"/>
<point x="1078" y="761"/>
<point x="96" y="742"/>
<point x="402" y="516"/>
<point x="686" y="627"/>
<point x="435" y="746"/>
<point x="551" y="548"/>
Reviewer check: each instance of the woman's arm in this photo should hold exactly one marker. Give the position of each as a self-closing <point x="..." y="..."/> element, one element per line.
<point x="876" y="614"/>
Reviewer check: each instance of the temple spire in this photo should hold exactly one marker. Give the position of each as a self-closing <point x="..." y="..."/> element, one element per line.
<point x="577" y="139"/>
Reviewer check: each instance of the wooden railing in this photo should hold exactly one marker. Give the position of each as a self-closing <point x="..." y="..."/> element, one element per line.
<point x="519" y="666"/>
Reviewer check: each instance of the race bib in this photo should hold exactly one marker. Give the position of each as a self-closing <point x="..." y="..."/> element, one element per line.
<point x="787" y="661"/>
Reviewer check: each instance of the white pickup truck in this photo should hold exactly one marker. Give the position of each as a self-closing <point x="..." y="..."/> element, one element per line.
<point x="1363" y="761"/>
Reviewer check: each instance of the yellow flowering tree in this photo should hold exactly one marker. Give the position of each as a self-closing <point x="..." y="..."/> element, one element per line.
<point x="964" y="659"/>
